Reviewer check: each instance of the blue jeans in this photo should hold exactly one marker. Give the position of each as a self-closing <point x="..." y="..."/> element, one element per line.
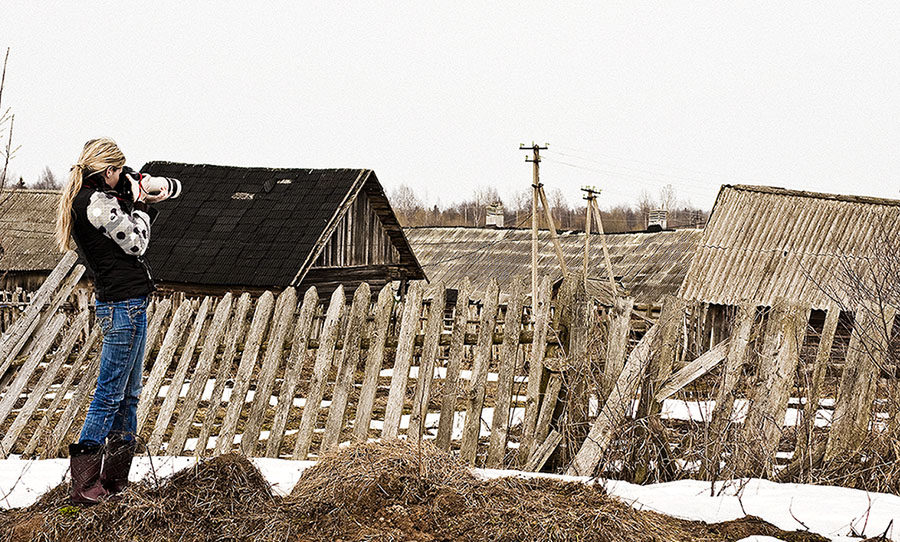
<point x="113" y="411"/>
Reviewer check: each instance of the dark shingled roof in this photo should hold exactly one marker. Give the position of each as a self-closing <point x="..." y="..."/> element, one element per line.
<point x="27" y="230"/>
<point x="249" y="226"/>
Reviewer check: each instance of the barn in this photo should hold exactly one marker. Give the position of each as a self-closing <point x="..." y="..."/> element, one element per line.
<point x="648" y="265"/>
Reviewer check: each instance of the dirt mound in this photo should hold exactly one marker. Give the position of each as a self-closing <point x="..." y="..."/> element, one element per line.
<point x="375" y="491"/>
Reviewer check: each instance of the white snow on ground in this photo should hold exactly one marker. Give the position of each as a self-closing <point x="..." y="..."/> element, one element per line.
<point x="833" y="512"/>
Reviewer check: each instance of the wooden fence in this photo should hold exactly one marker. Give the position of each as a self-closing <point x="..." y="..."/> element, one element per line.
<point x="289" y="376"/>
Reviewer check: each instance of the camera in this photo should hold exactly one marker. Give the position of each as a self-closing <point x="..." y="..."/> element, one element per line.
<point x="150" y="185"/>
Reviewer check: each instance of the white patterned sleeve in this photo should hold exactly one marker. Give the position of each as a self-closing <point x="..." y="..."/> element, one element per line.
<point x="130" y="231"/>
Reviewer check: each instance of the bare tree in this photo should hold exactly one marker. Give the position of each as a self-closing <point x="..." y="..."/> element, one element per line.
<point x="6" y="118"/>
<point x="405" y="203"/>
<point x="667" y="197"/>
<point x="47" y="181"/>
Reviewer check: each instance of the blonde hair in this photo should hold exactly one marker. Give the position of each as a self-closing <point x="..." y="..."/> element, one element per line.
<point x="97" y="155"/>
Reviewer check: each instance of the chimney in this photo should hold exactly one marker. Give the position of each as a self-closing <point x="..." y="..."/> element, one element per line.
<point x="494" y="215"/>
<point x="658" y="220"/>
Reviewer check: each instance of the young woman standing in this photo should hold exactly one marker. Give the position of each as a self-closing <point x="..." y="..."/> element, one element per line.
<point x="112" y="233"/>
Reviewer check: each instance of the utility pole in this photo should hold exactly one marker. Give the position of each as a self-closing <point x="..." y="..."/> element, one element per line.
<point x="591" y="194"/>
<point x="535" y="187"/>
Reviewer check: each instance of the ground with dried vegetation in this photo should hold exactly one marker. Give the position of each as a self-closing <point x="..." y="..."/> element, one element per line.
<point x="380" y="491"/>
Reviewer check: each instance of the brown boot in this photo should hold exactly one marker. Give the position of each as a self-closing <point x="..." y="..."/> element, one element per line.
<point x="85" y="465"/>
<point x="117" y="464"/>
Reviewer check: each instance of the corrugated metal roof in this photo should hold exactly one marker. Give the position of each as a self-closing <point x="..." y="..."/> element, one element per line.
<point x="27" y="230"/>
<point x="650" y="264"/>
<point x="764" y="243"/>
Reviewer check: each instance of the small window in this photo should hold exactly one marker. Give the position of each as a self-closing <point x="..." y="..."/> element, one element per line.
<point x="242" y="195"/>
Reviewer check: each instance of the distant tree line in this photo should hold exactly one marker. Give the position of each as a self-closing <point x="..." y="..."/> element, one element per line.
<point x="411" y="210"/>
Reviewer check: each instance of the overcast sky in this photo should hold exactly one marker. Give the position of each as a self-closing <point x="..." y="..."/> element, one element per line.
<point x="630" y="96"/>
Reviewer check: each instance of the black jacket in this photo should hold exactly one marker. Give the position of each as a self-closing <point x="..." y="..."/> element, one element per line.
<point x="112" y="235"/>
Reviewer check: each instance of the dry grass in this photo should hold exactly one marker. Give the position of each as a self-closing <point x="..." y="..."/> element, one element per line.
<point x="375" y="491"/>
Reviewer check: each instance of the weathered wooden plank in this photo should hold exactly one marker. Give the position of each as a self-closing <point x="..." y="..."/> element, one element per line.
<point x="541" y="311"/>
<point x="476" y="388"/>
<point x="408" y="328"/>
<point x="294" y="367"/>
<point x="346" y="369"/>
<point x="544" y="451"/>
<point x="450" y="386"/>
<point x="693" y="370"/>
<point x="507" y="372"/>
<point x="233" y="336"/>
<point x="373" y="365"/>
<point x="619" y="328"/>
<point x="426" y="364"/>
<point x="616" y="408"/>
<point x="47" y="337"/>
<point x="75" y="370"/>
<point x="735" y="359"/>
<point x="853" y="409"/>
<point x="36" y="394"/>
<point x="81" y="398"/>
<point x="662" y="360"/>
<point x="548" y="405"/>
<point x="816" y="382"/>
<point x="199" y="377"/>
<point x="258" y="326"/>
<point x="765" y="420"/>
<point x="184" y="362"/>
<point x="284" y="315"/>
<point x="156" y="320"/>
<point x="11" y="341"/>
<point x="60" y="297"/>
<point x="324" y="359"/>
<point x="163" y="360"/>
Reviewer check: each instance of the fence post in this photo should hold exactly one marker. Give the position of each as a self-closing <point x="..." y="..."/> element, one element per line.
<point x="374" y="360"/>
<point x="281" y="321"/>
<point x="478" y="383"/>
<point x="346" y="368"/>
<point x="853" y="409"/>
<point x="324" y="358"/>
<point x="200" y="376"/>
<point x="296" y="361"/>
<point x="400" y="376"/>
<point x="258" y="326"/>
<point x="426" y="363"/>
<point x="512" y="327"/>
<point x="541" y="313"/>
<point x="234" y="335"/>
<point x="450" y="386"/>
<point x="184" y="363"/>
<point x="662" y="361"/>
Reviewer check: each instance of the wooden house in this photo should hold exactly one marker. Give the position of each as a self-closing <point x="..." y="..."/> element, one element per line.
<point x="252" y="228"/>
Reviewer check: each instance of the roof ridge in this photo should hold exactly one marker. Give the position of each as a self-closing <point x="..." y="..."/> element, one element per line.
<point x="781" y="191"/>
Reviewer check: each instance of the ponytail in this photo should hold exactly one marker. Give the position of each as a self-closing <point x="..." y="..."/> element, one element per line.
<point x="97" y="155"/>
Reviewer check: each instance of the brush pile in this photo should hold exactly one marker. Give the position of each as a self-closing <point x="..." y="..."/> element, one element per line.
<point x="378" y="491"/>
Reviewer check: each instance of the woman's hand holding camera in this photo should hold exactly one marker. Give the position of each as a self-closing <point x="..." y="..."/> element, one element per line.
<point x="140" y="193"/>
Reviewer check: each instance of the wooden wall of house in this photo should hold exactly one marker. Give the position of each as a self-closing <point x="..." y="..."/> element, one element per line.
<point x="359" y="240"/>
<point x="29" y="281"/>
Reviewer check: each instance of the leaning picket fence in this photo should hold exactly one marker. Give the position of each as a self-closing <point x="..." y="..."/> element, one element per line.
<point x="492" y="376"/>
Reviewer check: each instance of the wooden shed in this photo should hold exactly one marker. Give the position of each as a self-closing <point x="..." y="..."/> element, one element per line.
<point x="764" y="243"/>
<point x="253" y="228"/>
<point x="27" y="238"/>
